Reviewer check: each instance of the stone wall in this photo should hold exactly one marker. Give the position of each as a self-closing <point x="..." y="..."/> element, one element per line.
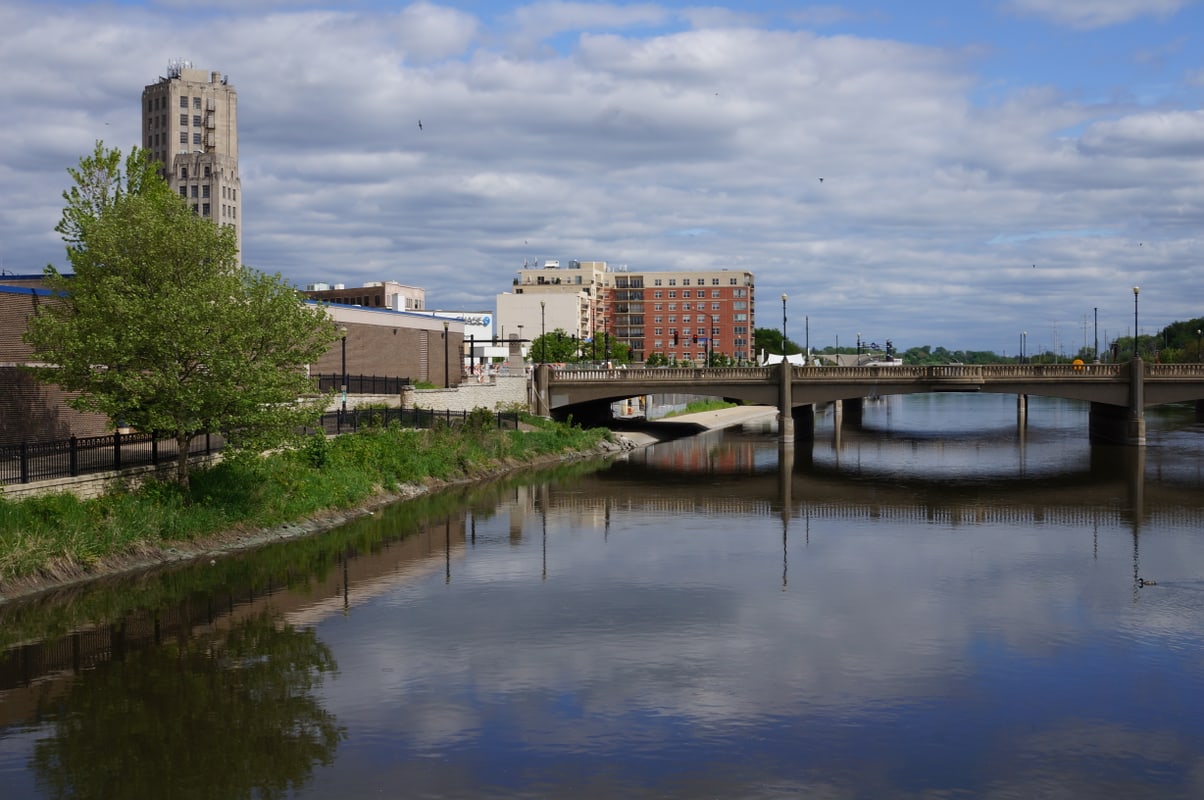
<point x="499" y="393"/>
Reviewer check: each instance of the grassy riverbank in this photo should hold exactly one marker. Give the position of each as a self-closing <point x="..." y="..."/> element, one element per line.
<point x="56" y="538"/>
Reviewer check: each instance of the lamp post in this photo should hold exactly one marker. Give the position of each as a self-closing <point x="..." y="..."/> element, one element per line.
<point x="543" y="330"/>
<point x="1095" y="346"/>
<point x="446" y="372"/>
<point x="343" y="388"/>
<point x="783" y="326"/>
<point x="1198" y="343"/>
<point x="807" y="338"/>
<point x="858" y="348"/>
<point x="1136" y="291"/>
<point x="1023" y="347"/>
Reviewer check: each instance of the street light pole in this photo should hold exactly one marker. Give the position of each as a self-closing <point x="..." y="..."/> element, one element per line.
<point x="1198" y="343"/>
<point x="446" y="372"/>
<point x="807" y="339"/>
<point x="783" y="326"/>
<point x="858" y="348"/>
<point x="1136" y="291"/>
<point x="343" y="330"/>
<point x="1095" y="347"/>
<point x="543" y="341"/>
<point x="1023" y="345"/>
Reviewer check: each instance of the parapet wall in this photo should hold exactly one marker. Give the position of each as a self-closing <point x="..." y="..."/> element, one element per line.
<point x="498" y="393"/>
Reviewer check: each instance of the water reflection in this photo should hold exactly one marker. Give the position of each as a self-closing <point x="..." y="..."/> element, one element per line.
<point x="726" y="616"/>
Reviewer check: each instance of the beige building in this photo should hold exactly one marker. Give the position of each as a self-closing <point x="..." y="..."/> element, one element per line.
<point x="374" y="294"/>
<point x="190" y="125"/>
<point x="684" y="315"/>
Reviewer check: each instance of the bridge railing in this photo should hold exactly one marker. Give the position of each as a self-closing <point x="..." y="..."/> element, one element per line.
<point x="664" y="374"/>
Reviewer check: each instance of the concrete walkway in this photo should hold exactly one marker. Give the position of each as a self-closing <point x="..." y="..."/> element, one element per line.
<point x="675" y="427"/>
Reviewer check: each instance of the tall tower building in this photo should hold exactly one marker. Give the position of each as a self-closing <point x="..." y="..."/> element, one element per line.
<point x="190" y="125"/>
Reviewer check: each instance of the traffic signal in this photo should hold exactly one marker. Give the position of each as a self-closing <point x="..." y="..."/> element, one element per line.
<point x="695" y="339"/>
<point x="675" y="338"/>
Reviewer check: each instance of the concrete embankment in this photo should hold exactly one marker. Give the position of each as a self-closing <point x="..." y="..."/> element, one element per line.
<point x="660" y="430"/>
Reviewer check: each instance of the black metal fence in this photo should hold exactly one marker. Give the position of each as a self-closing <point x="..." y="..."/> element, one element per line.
<point x="80" y="455"/>
<point x="363" y="384"/>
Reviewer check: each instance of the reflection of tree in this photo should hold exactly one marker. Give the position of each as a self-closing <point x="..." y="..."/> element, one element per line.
<point x="208" y="718"/>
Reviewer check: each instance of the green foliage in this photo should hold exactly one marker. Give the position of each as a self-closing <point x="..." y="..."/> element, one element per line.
<point x="61" y="535"/>
<point x="698" y="406"/>
<point x="160" y="328"/>
<point x="770" y="340"/>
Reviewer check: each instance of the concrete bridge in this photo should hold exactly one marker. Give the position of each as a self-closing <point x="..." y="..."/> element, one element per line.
<point x="1118" y="393"/>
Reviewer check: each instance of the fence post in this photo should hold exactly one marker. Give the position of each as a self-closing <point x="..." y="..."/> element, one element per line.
<point x="116" y="450"/>
<point x="73" y="457"/>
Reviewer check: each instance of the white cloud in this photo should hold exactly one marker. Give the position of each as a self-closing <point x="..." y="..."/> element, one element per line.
<point x="628" y="133"/>
<point x="1085" y="14"/>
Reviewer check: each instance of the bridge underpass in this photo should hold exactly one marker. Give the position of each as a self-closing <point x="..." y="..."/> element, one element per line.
<point x="1118" y="393"/>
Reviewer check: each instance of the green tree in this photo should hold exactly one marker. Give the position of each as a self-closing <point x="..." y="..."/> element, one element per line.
<point x="770" y="341"/>
<point x="161" y="328"/>
<point x="555" y="347"/>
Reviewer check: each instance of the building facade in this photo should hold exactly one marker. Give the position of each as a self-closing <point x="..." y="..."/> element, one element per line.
<point x="683" y="315"/>
<point x="374" y="294"/>
<point x="190" y="126"/>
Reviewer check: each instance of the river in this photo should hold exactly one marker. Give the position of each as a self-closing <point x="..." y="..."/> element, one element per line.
<point x="934" y="603"/>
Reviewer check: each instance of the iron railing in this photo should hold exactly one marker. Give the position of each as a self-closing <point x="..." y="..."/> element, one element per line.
<point x="81" y="455"/>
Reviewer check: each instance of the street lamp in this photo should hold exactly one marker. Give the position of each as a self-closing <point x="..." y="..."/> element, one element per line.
<point x="446" y="372"/>
<point x="1136" y="291"/>
<point x="783" y="326"/>
<point x="343" y="331"/>
<point x="543" y="342"/>
<point x="1023" y="342"/>
<point x="858" y="348"/>
<point x="1198" y="343"/>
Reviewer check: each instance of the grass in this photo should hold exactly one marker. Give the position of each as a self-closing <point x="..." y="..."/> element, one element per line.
<point x="698" y="406"/>
<point x="58" y="536"/>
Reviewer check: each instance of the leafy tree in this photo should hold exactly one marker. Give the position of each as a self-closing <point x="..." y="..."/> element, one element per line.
<point x="770" y="340"/>
<point x="160" y="327"/>
<point x="555" y="347"/>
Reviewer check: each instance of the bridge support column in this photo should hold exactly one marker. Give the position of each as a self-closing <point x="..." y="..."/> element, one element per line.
<point x="804" y="422"/>
<point x="1022" y="410"/>
<point x="853" y="407"/>
<point x="540" y="406"/>
<point x="1122" y="424"/>
<point x="785" y="418"/>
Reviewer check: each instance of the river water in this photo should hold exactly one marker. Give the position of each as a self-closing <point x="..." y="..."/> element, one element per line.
<point x="934" y="603"/>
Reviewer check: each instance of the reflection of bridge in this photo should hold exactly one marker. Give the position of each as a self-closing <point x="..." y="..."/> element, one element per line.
<point x="1118" y="393"/>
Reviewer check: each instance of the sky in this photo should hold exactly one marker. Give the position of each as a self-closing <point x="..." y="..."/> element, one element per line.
<point x="989" y="167"/>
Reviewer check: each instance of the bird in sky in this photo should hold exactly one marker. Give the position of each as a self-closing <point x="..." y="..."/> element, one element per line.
<point x="419" y="124"/>
<point x="821" y="180"/>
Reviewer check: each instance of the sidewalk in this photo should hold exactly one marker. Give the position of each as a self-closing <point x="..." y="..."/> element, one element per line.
<point x="689" y="424"/>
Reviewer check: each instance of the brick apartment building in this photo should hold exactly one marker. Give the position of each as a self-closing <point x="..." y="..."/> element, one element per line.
<point x="679" y="314"/>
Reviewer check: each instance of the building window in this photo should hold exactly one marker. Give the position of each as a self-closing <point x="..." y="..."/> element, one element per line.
<point x="714" y="293"/>
<point x="184" y="173"/>
<point x="205" y="210"/>
<point x="656" y="282"/>
<point x="657" y="295"/>
<point x="196" y="103"/>
<point x="714" y="306"/>
<point x="194" y="190"/>
<point x="184" y="192"/>
<point x="672" y="319"/>
<point x="672" y="295"/>
<point x="673" y="306"/>
<point x="183" y="137"/>
<point x="685" y="293"/>
<point x="196" y="120"/>
<point x="205" y="191"/>
<point x="196" y="138"/>
<point x="739" y="305"/>
<point x="685" y="317"/>
<point x="183" y="101"/>
<point x="184" y="119"/>
<point x="673" y="281"/>
<point x="731" y="281"/>
<point x="208" y="171"/>
<point x="714" y="281"/>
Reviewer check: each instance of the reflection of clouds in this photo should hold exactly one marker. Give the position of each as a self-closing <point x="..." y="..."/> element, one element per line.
<point x="693" y="623"/>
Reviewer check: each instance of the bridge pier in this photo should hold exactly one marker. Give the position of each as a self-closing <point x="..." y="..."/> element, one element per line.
<point x="785" y="406"/>
<point x="804" y="423"/>
<point x="1122" y="424"/>
<point x="1022" y="411"/>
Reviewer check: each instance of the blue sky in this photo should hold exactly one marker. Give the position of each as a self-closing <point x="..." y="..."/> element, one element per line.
<point x="989" y="166"/>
